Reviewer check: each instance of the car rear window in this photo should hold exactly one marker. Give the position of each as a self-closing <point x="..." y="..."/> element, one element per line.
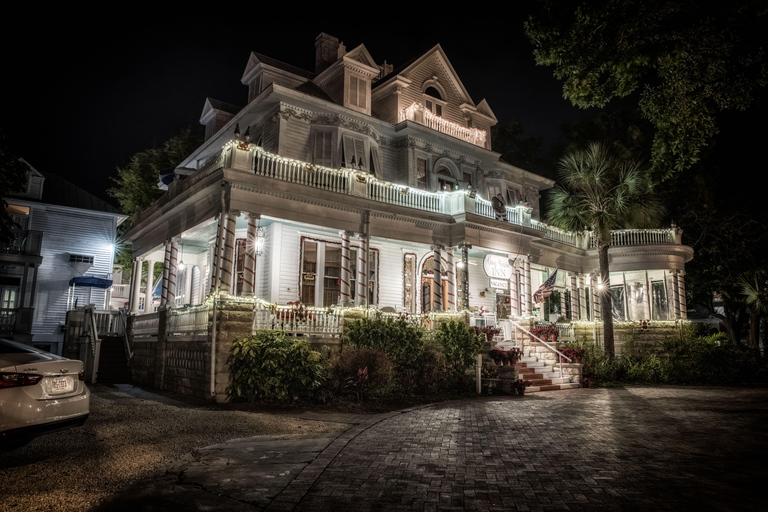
<point x="10" y="347"/>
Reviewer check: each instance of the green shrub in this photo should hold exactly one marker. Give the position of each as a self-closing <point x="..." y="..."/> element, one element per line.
<point x="400" y="340"/>
<point x="460" y="343"/>
<point x="430" y="369"/>
<point x="271" y="366"/>
<point x="345" y="366"/>
<point x="687" y="359"/>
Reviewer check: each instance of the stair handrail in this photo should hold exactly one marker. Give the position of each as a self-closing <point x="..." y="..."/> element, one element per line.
<point x="92" y="339"/>
<point x="122" y="316"/>
<point x="545" y="344"/>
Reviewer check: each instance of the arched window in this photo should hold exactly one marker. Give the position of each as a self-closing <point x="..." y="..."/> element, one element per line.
<point x="433" y="101"/>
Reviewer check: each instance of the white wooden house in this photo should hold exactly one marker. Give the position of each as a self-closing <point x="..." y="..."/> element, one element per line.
<point x="64" y="233"/>
<point x="360" y="185"/>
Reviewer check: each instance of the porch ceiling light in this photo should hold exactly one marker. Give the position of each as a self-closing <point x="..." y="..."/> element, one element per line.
<point x="258" y="243"/>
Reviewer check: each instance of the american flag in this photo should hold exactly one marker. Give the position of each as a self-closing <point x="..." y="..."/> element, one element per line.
<point x="545" y="290"/>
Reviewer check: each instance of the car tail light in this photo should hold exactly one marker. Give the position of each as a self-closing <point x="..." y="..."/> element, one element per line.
<point x="13" y="380"/>
<point x="81" y="375"/>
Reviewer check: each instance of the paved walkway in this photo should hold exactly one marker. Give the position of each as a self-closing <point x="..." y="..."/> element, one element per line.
<point x="634" y="448"/>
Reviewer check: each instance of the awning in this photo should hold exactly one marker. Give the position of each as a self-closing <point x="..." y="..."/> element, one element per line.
<point x="95" y="282"/>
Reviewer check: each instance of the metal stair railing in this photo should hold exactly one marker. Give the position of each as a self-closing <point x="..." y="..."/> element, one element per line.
<point x="545" y="344"/>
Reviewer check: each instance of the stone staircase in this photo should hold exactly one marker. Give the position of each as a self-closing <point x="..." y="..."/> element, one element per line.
<point x="543" y="376"/>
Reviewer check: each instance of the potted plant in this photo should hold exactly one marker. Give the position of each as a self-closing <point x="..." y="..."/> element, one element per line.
<point x="514" y="355"/>
<point x="489" y="332"/>
<point x="520" y="386"/>
<point x="497" y="355"/>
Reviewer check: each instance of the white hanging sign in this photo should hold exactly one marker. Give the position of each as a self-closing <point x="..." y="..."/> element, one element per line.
<point x="497" y="266"/>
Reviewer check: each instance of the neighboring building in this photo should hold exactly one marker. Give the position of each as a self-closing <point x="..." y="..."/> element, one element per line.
<point x="65" y="233"/>
<point x="360" y="184"/>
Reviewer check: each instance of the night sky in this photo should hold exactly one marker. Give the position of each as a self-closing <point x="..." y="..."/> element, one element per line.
<point x="82" y="97"/>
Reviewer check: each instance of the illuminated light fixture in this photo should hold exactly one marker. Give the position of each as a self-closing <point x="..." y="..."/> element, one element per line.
<point x="181" y="260"/>
<point x="258" y="243"/>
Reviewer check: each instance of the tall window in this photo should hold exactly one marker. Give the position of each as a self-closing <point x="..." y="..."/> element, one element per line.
<point x="354" y="153"/>
<point x="321" y="273"/>
<point x="322" y="151"/>
<point x="421" y="173"/>
<point x="357" y="92"/>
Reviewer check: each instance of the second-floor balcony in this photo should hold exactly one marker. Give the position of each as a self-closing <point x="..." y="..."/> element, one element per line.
<point x="25" y="241"/>
<point x="422" y="115"/>
<point x="350" y="182"/>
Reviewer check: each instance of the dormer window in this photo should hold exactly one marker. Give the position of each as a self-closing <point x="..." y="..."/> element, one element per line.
<point x="357" y="93"/>
<point x="433" y="101"/>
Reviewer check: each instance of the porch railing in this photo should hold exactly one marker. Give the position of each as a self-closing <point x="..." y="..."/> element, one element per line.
<point x="303" y="173"/>
<point x="189" y="320"/>
<point x="363" y="184"/>
<point x="293" y="320"/>
<point x="146" y="325"/>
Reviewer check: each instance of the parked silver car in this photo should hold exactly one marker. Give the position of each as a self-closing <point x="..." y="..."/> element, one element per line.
<point x="40" y="392"/>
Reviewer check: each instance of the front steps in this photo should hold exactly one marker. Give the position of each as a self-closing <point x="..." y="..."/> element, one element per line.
<point x="543" y="377"/>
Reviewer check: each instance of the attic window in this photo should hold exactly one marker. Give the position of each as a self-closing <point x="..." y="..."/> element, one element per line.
<point x="358" y="92"/>
<point x="80" y="258"/>
<point x="433" y="101"/>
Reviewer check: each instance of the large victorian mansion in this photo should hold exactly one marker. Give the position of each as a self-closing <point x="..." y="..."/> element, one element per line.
<point x="360" y="188"/>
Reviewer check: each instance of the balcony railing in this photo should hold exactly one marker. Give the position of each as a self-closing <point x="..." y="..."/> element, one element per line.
<point x="24" y="241"/>
<point x="420" y="114"/>
<point x="249" y="157"/>
<point x="631" y="237"/>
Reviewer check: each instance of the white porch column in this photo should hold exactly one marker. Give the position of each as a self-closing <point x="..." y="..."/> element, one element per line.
<point x="563" y="303"/>
<point x="228" y="254"/>
<point x="574" y="299"/>
<point x="646" y="301"/>
<point x="465" y="276"/>
<point x="173" y="271"/>
<point x="188" y="284"/>
<point x="514" y="296"/>
<point x="346" y="264"/>
<point x="528" y="291"/>
<point x="437" y="302"/>
<point x="681" y="291"/>
<point x="676" y="294"/>
<point x="138" y="263"/>
<point x="150" y="286"/>
<point x="524" y="304"/>
<point x="216" y="259"/>
<point x="166" y="274"/>
<point x="249" y="263"/>
<point x="583" y="312"/>
<point x="450" y="277"/>
<point x="632" y="303"/>
<point x="362" y="272"/>
<point x="595" y="301"/>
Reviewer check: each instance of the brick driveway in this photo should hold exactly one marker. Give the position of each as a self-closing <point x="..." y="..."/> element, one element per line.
<point x="634" y="448"/>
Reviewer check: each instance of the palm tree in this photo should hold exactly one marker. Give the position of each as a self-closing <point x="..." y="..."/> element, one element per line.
<point x="600" y="192"/>
<point x="754" y="288"/>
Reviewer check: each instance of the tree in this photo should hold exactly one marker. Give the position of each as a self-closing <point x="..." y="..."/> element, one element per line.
<point x="601" y="192"/>
<point x="519" y="148"/>
<point x="13" y="178"/>
<point x="136" y="184"/>
<point x="754" y="287"/>
<point x="689" y="60"/>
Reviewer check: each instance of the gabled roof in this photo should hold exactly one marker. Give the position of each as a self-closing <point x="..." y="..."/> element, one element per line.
<point x="256" y="58"/>
<point x="436" y="50"/>
<point x="61" y="192"/>
<point x="361" y="54"/>
<point x="212" y="104"/>
<point x="484" y="109"/>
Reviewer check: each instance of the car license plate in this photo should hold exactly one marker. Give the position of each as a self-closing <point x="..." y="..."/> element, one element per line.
<point x="62" y="384"/>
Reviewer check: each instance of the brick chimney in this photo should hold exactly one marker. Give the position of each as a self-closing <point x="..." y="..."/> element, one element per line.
<point x="326" y="51"/>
